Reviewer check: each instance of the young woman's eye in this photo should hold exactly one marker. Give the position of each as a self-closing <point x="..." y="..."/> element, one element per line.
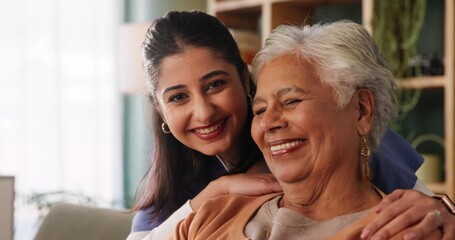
<point x="177" y="98"/>
<point x="215" y="84"/>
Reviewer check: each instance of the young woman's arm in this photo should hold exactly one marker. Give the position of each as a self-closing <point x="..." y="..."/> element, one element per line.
<point x="244" y="183"/>
<point x="394" y="166"/>
<point x="165" y="228"/>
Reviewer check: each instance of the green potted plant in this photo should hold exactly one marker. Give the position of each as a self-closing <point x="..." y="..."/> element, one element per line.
<point x="396" y="28"/>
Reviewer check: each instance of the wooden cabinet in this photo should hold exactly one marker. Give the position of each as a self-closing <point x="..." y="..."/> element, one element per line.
<point x="262" y="16"/>
<point x="443" y="88"/>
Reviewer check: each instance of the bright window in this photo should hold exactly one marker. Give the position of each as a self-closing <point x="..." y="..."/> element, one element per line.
<point x="59" y="103"/>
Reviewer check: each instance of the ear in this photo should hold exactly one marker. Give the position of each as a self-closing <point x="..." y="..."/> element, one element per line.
<point x="365" y="105"/>
<point x="157" y="108"/>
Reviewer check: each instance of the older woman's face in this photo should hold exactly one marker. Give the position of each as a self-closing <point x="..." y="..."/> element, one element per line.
<point x="298" y="126"/>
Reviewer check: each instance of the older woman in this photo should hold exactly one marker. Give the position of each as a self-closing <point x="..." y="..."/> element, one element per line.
<point x="324" y="99"/>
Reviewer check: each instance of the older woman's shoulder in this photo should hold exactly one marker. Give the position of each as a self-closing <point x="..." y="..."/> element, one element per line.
<point x="232" y="204"/>
<point x="221" y="217"/>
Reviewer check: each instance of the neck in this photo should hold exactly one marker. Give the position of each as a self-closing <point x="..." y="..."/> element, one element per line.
<point x="336" y="197"/>
<point x="226" y="164"/>
<point x="230" y="158"/>
<point x="233" y="155"/>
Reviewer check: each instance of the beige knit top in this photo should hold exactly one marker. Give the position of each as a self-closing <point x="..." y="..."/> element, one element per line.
<point x="271" y="222"/>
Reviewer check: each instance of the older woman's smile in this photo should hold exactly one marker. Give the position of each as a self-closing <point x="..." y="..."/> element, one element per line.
<point x="282" y="147"/>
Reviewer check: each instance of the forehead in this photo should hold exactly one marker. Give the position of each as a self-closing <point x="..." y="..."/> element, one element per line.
<point x="287" y="70"/>
<point x="193" y="63"/>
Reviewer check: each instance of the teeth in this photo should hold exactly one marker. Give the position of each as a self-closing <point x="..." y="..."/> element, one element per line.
<point x="208" y="130"/>
<point x="285" y="146"/>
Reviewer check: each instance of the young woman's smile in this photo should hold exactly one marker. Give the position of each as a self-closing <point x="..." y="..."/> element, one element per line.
<point x="210" y="131"/>
<point x="203" y="102"/>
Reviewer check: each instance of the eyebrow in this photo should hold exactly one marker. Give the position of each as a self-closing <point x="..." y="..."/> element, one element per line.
<point x="213" y="74"/>
<point x="283" y="91"/>
<point x="203" y="78"/>
<point x="279" y="93"/>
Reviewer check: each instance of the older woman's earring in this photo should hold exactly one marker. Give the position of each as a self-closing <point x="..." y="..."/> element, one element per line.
<point x="365" y="152"/>
<point x="165" y="128"/>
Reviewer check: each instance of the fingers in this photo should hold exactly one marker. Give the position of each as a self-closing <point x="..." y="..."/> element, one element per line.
<point x="389" y="199"/>
<point x="424" y="228"/>
<point x="270" y="184"/>
<point x="261" y="183"/>
<point x="384" y="217"/>
<point x="399" y="221"/>
<point x="251" y="184"/>
<point x="449" y="226"/>
<point x="437" y="219"/>
<point x="398" y="211"/>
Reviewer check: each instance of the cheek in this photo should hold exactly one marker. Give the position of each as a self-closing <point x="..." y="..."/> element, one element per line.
<point x="307" y="119"/>
<point x="236" y="105"/>
<point x="240" y="109"/>
<point x="330" y="132"/>
<point x="174" y="119"/>
<point x="258" y="136"/>
<point x="316" y="117"/>
<point x="255" y="131"/>
<point x="237" y="102"/>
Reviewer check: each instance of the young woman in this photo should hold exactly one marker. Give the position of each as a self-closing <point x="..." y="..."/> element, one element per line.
<point x="201" y="91"/>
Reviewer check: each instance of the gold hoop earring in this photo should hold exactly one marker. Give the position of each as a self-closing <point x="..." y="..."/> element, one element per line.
<point x="365" y="152"/>
<point x="165" y="128"/>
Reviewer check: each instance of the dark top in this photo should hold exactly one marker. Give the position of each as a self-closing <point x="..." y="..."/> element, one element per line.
<point x="393" y="166"/>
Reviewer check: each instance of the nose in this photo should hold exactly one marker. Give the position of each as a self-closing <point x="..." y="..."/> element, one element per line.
<point x="204" y="109"/>
<point x="272" y="120"/>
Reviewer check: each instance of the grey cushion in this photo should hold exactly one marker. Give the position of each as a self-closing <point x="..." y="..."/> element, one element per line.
<point x="68" y="221"/>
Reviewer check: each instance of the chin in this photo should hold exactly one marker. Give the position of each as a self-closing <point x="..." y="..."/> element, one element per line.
<point x="289" y="175"/>
<point x="213" y="151"/>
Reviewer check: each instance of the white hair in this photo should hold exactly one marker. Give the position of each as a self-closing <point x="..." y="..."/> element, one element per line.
<point x="346" y="58"/>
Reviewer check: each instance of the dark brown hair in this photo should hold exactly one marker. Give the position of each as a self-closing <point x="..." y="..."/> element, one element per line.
<point x="174" y="165"/>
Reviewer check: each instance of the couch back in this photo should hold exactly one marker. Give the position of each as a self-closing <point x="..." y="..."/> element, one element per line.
<point x="71" y="222"/>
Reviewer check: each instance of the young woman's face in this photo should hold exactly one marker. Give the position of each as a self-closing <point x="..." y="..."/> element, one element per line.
<point x="299" y="128"/>
<point x="202" y="99"/>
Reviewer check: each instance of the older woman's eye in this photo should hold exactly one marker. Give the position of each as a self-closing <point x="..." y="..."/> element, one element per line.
<point x="259" y="112"/>
<point x="291" y="102"/>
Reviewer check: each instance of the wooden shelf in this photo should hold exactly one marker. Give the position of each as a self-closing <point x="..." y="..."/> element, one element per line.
<point x="422" y="82"/>
<point x="232" y="5"/>
<point x="237" y="5"/>
<point x="437" y="188"/>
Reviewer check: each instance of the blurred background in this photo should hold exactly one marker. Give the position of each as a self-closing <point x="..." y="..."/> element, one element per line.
<point x="70" y="128"/>
<point x="74" y="115"/>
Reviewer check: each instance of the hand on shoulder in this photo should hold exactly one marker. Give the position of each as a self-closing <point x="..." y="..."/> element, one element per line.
<point x="411" y="211"/>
